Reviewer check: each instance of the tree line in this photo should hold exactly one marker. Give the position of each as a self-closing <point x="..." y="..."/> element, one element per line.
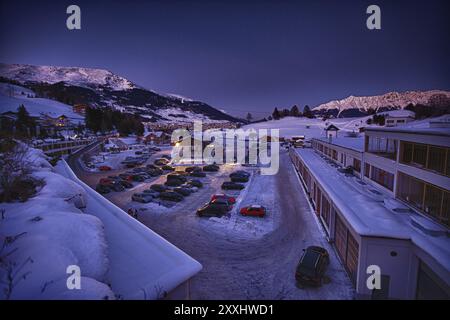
<point x="107" y="119"/>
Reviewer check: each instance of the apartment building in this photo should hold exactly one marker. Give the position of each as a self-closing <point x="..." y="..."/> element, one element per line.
<point x="389" y="208"/>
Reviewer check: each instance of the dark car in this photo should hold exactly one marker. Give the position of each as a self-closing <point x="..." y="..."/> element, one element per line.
<point x="125" y="184"/>
<point x="237" y="178"/>
<point x="183" y="191"/>
<point x="196" y="183"/>
<point x="154" y="172"/>
<point x="176" y="176"/>
<point x="240" y="173"/>
<point x="167" y="167"/>
<point x="230" y="185"/>
<point x="211" y="168"/>
<point x="213" y="209"/>
<point x="173" y="183"/>
<point x="153" y="193"/>
<point x="171" y="196"/>
<point x="161" y="162"/>
<point x="191" y="169"/>
<point x="102" y="189"/>
<point x="198" y="174"/>
<point x="138" y="177"/>
<point x="116" y="186"/>
<point x="158" y="187"/>
<point x="312" y="266"/>
<point x="142" y="197"/>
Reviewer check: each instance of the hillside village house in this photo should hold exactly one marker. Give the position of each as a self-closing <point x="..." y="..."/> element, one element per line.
<point x="399" y="117"/>
<point x="392" y="212"/>
<point x="157" y="137"/>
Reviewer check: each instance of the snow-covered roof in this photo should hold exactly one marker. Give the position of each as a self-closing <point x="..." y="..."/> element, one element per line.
<point x="354" y="143"/>
<point x="140" y="259"/>
<point x="399" y="114"/>
<point x="433" y="131"/>
<point x="366" y="212"/>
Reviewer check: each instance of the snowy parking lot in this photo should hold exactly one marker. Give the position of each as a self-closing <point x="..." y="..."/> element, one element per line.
<point x="243" y="257"/>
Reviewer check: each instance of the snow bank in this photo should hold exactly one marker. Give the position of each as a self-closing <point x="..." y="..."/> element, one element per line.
<point x="51" y="234"/>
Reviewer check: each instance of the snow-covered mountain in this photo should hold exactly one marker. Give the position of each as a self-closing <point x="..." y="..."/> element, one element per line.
<point x="102" y="88"/>
<point x="356" y="106"/>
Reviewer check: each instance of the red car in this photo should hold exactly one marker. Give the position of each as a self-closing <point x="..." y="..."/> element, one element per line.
<point x="105" y="181"/>
<point x="104" y="168"/>
<point x="253" y="210"/>
<point x="231" y="200"/>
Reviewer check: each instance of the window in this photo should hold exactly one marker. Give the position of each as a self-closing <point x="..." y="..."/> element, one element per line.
<point x="407" y="151"/>
<point x="357" y="165"/>
<point x="382" y="177"/>
<point x="429" y="199"/>
<point x="436" y="159"/>
<point x="334" y="152"/>
<point x="424" y="156"/>
<point x="419" y="155"/>
<point x="382" y="146"/>
<point x="367" y="170"/>
<point x="326" y="211"/>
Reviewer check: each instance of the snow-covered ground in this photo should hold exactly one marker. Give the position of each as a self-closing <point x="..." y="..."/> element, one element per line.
<point x="11" y="98"/>
<point x="51" y="234"/>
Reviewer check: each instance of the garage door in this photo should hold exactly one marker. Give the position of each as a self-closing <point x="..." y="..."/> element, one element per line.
<point x="347" y="248"/>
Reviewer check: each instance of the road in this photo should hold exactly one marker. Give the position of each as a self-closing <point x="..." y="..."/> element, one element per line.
<point x="245" y="268"/>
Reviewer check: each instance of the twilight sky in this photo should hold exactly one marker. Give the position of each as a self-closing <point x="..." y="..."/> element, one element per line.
<point x="240" y="56"/>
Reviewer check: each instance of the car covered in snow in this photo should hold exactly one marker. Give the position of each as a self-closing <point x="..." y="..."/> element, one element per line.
<point x="253" y="210"/>
<point x="312" y="266"/>
<point x="142" y="197"/>
<point x="230" y="199"/>
<point x="230" y="185"/>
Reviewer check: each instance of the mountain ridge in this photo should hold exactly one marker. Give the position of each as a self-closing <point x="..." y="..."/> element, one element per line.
<point x="103" y="88"/>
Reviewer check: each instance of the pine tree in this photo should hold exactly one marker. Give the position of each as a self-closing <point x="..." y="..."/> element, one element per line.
<point x="307" y="112"/>
<point x="294" y="111"/>
<point x="276" y="114"/>
<point x="249" y="117"/>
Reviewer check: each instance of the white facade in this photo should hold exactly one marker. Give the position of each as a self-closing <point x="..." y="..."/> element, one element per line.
<point x="411" y="248"/>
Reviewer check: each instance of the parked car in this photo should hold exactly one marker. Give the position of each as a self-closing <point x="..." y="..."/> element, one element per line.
<point x="183" y="191"/>
<point x="161" y="161"/>
<point x="173" y="183"/>
<point x="230" y="185"/>
<point x="138" y="152"/>
<point x="196" y="183"/>
<point x="312" y="266"/>
<point x="154" y="172"/>
<point x="102" y="189"/>
<point x="176" y="176"/>
<point x="253" y="210"/>
<point x="116" y="186"/>
<point x="171" y="196"/>
<point x="231" y="200"/>
<point x="125" y="183"/>
<point x="138" y="178"/>
<point x="153" y="193"/>
<point x="211" y="168"/>
<point x="240" y="173"/>
<point x="105" y="181"/>
<point x="198" y="174"/>
<point x="159" y="187"/>
<point x="213" y="209"/>
<point x="191" y="169"/>
<point x="126" y="176"/>
<point x="237" y="178"/>
<point x="104" y="168"/>
<point x="142" y="197"/>
<point x="167" y="167"/>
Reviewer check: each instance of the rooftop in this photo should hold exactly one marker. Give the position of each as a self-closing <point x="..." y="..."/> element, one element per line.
<point x="353" y="143"/>
<point x="371" y="213"/>
<point x="436" y="131"/>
